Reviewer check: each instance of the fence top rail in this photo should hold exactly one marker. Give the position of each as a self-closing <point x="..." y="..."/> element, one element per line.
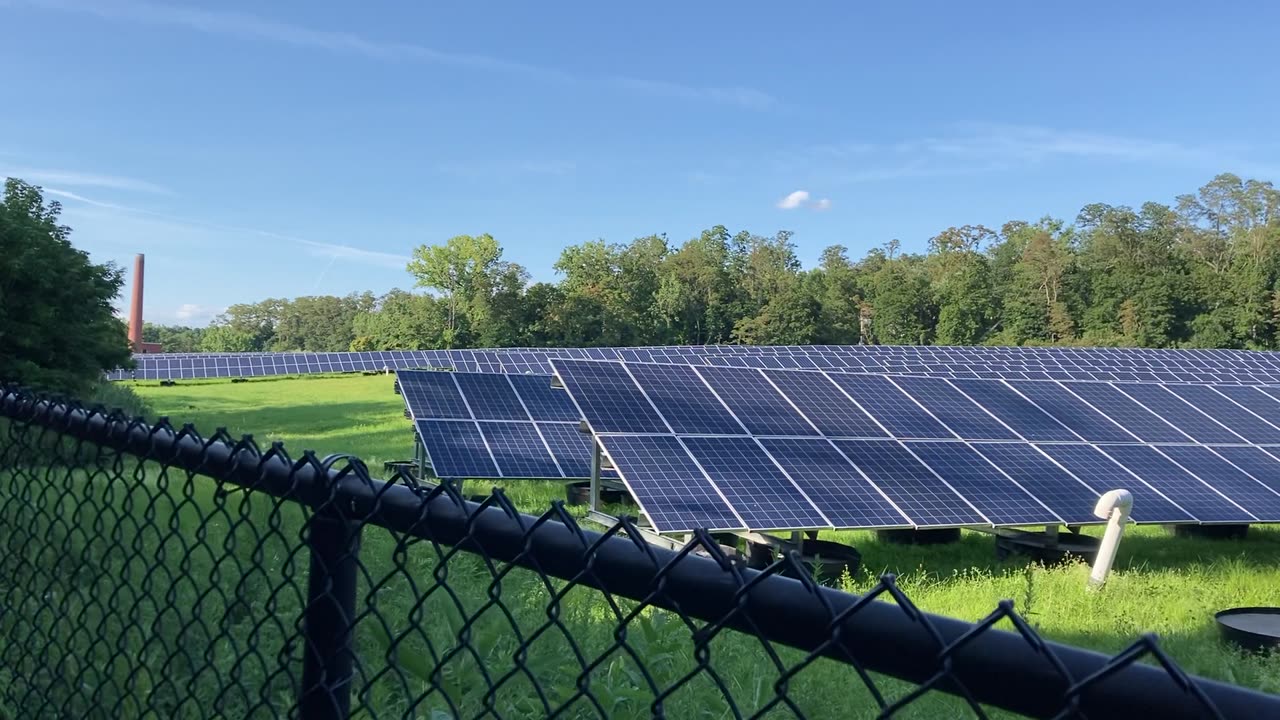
<point x="881" y="631"/>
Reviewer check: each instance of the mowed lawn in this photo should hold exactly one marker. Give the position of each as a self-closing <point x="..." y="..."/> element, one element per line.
<point x="1162" y="584"/>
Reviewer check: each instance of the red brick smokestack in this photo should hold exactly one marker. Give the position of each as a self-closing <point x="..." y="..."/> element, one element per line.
<point x="135" y="310"/>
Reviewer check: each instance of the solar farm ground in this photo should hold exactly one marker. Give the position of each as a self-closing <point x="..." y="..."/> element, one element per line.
<point x="1161" y="584"/>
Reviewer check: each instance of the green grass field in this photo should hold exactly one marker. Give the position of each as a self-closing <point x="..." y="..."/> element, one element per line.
<point x="1170" y="586"/>
<point x="134" y="592"/>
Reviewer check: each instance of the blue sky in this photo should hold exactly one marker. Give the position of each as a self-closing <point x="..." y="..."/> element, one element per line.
<point x="257" y="150"/>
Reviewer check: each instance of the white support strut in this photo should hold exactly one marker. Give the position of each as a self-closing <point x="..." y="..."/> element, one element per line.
<point x="1113" y="507"/>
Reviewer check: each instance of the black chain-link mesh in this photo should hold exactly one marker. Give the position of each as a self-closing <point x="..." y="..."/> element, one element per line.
<point x="146" y="571"/>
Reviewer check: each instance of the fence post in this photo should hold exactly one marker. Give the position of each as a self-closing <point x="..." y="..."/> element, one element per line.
<point x="328" y="622"/>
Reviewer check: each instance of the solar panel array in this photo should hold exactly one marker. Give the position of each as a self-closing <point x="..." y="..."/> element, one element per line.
<point x="475" y="425"/>
<point x="735" y="448"/>
<point x="1098" y="364"/>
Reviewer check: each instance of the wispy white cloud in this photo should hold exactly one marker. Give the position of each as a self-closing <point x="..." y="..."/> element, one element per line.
<point x="195" y="314"/>
<point x="72" y="178"/>
<point x="802" y="198"/>
<point x="742" y="97"/>
<point x="985" y="148"/>
<point x="244" y="25"/>
<point x="312" y="247"/>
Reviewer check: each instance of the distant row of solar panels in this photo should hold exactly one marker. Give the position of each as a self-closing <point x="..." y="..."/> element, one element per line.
<point x="768" y="449"/>
<point x="1098" y="364"/>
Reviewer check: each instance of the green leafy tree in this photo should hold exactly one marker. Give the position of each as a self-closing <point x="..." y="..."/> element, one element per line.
<point x="462" y="270"/>
<point x="173" y="338"/>
<point x="58" y="328"/>
<point x="400" y="320"/>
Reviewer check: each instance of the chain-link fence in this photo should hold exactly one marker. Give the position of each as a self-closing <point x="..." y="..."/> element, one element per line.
<point x="147" y="571"/>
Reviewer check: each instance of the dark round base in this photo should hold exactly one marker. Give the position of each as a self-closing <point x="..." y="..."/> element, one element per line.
<point x="167" y="383"/>
<point x="239" y="380"/>
<point x="919" y="537"/>
<point x="1212" y="532"/>
<point x="823" y="559"/>
<point x="579" y="493"/>
<point x="1251" y="628"/>
<point x="1043" y="548"/>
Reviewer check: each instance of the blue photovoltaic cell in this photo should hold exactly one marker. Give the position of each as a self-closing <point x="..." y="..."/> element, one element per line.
<point x="763" y="496"/>
<point x="833" y="484"/>
<point x="571" y="448"/>
<point x="1243" y="422"/>
<point x="432" y="395"/>
<point x="1185" y="417"/>
<point x="668" y="485"/>
<point x="519" y="450"/>
<point x="543" y="401"/>
<point x="1227" y="479"/>
<point x="684" y="400"/>
<point x="1016" y="411"/>
<point x="1063" y="494"/>
<point x="1145" y="425"/>
<point x="897" y="412"/>
<point x="610" y="400"/>
<point x="1176" y="484"/>
<point x="456" y="449"/>
<point x="979" y="482"/>
<point x="829" y="409"/>
<point x="1102" y="474"/>
<point x="490" y="397"/>
<point x="1071" y="411"/>
<point x="925" y="499"/>
<point x="953" y="409"/>
<point x="1260" y="464"/>
<point x="755" y="402"/>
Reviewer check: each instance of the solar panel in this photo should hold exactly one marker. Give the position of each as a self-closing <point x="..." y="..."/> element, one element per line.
<point x="756" y="402"/>
<point x="1180" y="413"/>
<point x="667" y="485"/>
<point x="825" y="404"/>
<point x="953" y="409"/>
<point x="490" y="397"/>
<point x="1070" y="410"/>
<point x="1201" y="501"/>
<point x="543" y="401"/>
<point x="456" y="449"/>
<point x="684" y="400"/>
<point x="432" y="395"/>
<point x="570" y="447"/>
<point x="992" y="493"/>
<point x="1068" y="498"/>
<point x="909" y="484"/>
<point x="763" y="495"/>
<point x="609" y="399"/>
<point x="1233" y="482"/>
<point x="1251" y="414"/>
<point x="833" y="484"/>
<point x="1101" y="473"/>
<point x="1125" y="412"/>
<point x="888" y="404"/>
<point x="1258" y="463"/>
<point x="1015" y="410"/>
<point x="518" y="450"/>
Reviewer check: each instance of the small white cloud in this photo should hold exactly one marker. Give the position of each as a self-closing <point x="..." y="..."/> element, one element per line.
<point x="186" y="311"/>
<point x="800" y="198"/>
<point x="794" y="200"/>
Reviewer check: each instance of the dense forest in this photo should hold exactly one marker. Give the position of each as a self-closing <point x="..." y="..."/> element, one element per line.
<point x="1201" y="273"/>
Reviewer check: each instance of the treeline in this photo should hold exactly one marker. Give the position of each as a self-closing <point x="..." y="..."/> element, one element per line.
<point x="1200" y="273"/>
